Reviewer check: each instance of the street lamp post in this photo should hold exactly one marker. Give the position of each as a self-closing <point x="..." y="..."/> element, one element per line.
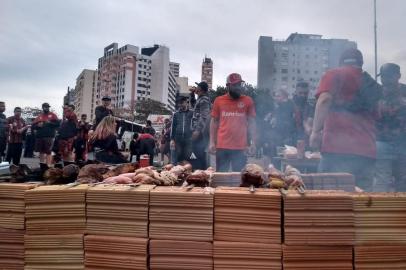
<point x="376" y="42"/>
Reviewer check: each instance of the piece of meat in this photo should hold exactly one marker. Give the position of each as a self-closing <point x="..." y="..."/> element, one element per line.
<point x="120" y="169"/>
<point x="129" y="175"/>
<point x="70" y="172"/>
<point x="147" y="171"/>
<point x="198" y="178"/>
<point x="168" y="167"/>
<point x="92" y="173"/>
<point x="168" y="178"/>
<point x="252" y="175"/>
<point x="53" y="176"/>
<point x="274" y="173"/>
<point x="118" y="180"/>
<point x="145" y="179"/>
<point x="290" y="170"/>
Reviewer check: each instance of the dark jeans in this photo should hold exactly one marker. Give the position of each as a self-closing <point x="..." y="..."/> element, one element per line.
<point x="361" y="167"/>
<point x="111" y="158"/>
<point x="183" y="148"/>
<point x="400" y="173"/>
<point x="144" y="147"/>
<point x="225" y="157"/>
<point x="199" y="149"/>
<point x="29" y="146"/>
<point x="3" y="146"/>
<point x="14" y="151"/>
<point x="80" y="149"/>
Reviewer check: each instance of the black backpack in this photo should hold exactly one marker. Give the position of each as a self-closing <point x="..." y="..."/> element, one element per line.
<point x="365" y="99"/>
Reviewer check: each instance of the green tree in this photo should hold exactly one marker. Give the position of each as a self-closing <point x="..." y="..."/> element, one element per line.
<point x="144" y="108"/>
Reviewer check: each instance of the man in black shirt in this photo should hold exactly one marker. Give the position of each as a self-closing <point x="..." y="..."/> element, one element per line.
<point x="181" y="131"/>
<point x="103" y="110"/>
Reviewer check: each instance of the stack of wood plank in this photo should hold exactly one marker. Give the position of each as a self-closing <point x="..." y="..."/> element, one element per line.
<point x="329" y="181"/>
<point x="380" y="257"/>
<point x="12" y="225"/>
<point x="56" y="209"/>
<point x="12" y="205"/>
<point x="118" y="210"/>
<point x="181" y="228"/>
<point x="247" y="229"/>
<point x="242" y="216"/>
<point x="11" y="249"/>
<point x="240" y="255"/>
<point x="180" y="255"/>
<point x="229" y="179"/>
<point x="380" y="218"/>
<point x="317" y="257"/>
<point x="177" y="213"/>
<point x="319" y="218"/>
<point x="50" y="252"/>
<point x="115" y="252"/>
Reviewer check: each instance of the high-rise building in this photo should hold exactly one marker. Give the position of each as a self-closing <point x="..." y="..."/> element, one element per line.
<point x="69" y="97"/>
<point x="207" y="71"/>
<point x="174" y="68"/>
<point x="183" y="85"/>
<point x="85" y="93"/>
<point x="301" y="57"/>
<point x="163" y="84"/>
<point x="125" y="75"/>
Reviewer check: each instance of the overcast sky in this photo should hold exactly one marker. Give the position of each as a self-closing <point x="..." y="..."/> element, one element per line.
<point x="44" y="44"/>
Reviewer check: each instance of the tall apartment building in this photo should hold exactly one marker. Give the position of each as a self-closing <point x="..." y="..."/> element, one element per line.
<point x="183" y="85"/>
<point x="163" y="84"/>
<point x="207" y="71"/>
<point x="85" y="93"/>
<point x="125" y="75"/>
<point x="174" y="68"/>
<point x="69" y="97"/>
<point x="301" y="57"/>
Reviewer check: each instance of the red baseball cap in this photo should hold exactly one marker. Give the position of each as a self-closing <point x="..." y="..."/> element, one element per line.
<point x="234" y="78"/>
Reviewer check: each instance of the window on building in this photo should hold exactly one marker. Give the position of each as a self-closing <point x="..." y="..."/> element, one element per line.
<point x="284" y="70"/>
<point x="298" y="71"/>
<point x="316" y="72"/>
<point x="284" y="79"/>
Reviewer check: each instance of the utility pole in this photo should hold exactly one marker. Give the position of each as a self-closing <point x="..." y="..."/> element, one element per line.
<point x="376" y="42"/>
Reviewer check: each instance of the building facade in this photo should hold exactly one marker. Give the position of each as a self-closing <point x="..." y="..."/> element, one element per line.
<point x="207" y="71"/>
<point x="124" y="75"/>
<point x="85" y="93"/>
<point x="301" y="57"/>
<point x="69" y="97"/>
<point x="174" y="68"/>
<point x="163" y="84"/>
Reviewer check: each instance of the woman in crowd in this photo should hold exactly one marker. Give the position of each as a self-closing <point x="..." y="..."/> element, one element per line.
<point x="105" y="139"/>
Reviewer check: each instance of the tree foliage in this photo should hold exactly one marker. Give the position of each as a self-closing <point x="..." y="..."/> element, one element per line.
<point x="146" y="107"/>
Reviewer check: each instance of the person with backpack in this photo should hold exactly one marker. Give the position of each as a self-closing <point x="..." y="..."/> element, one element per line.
<point x="345" y="118"/>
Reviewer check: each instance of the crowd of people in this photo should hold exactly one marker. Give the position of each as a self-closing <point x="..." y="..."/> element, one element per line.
<point x="357" y="124"/>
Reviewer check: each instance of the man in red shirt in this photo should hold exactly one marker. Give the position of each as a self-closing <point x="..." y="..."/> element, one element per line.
<point x="232" y="126"/>
<point x="142" y="144"/>
<point x="344" y="122"/>
<point x="17" y="127"/>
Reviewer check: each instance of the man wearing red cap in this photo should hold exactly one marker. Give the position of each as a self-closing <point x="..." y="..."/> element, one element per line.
<point x="232" y="126"/>
<point x="344" y="121"/>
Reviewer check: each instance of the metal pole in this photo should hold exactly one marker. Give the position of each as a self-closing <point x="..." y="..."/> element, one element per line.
<point x="376" y="42"/>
